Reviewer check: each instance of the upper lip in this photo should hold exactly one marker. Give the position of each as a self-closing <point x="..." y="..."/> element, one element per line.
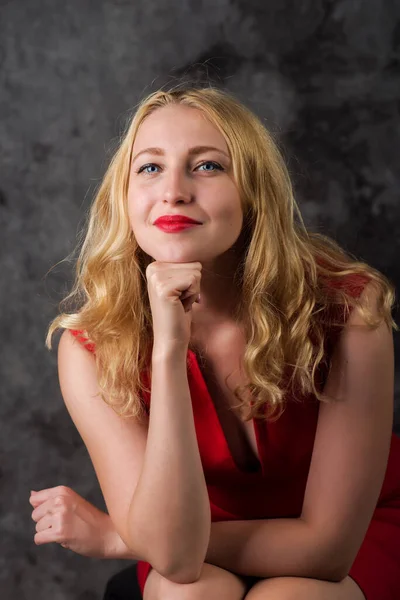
<point x="175" y="219"/>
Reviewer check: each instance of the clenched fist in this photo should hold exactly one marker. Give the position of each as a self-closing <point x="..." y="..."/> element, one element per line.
<point x="172" y="289"/>
<point x="63" y="516"/>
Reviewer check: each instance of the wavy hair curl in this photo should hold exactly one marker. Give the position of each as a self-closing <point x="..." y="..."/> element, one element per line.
<point x="288" y="304"/>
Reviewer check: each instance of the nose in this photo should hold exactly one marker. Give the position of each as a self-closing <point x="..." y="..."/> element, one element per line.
<point x="177" y="187"/>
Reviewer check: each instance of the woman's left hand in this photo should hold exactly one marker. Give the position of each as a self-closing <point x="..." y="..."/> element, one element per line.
<point x="63" y="516"/>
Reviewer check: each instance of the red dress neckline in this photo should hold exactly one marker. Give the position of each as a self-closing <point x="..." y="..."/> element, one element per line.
<point x="216" y="432"/>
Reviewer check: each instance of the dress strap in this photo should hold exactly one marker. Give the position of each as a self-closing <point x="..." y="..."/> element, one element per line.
<point x="83" y="339"/>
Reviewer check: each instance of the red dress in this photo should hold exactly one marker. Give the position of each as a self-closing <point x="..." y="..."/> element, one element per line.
<point x="276" y="489"/>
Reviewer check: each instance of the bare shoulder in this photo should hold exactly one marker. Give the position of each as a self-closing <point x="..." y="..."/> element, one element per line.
<point x="116" y="445"/>
<point x="71" y="356"/>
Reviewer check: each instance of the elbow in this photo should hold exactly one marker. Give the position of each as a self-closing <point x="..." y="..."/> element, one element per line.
<point x="336" y="575"/>
<point x="169" y="568"/>
<point x="178" y="572"/>
<point x="332" y="556"/>
<point x="327" y="572"/>
<point x="336" y="566"/>
<point x="179" y="565"/>
<point x="174" y="570"/>
<point x="340" y="569"/>
<point x="188" y="575"/>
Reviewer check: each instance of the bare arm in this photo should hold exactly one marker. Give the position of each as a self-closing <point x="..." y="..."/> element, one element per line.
<point x="150" y="474"/>
<point x="346" y="473"/>
<point x="170" y="511"/>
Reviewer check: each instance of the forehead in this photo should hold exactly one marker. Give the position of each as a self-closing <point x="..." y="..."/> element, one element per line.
<point x="178" y="122"/>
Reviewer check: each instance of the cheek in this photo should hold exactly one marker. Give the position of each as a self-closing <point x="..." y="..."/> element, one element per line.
<point x="132" y="215"/>
<point x="138" y="210"/>
<point x="231" y="211"/>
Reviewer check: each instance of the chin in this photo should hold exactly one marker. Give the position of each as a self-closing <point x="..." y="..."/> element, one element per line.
<point x="178" y="257"/>
<point x="175" y="255"/>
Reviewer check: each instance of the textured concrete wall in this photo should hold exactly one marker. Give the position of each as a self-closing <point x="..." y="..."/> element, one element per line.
<point x="325" y="74"/>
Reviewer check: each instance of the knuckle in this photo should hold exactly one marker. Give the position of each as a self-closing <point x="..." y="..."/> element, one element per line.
<point x="58" y="530"/>
<point x="150" y="270"/>
<point x="63" y="489"/>
<point x="63" y="510"/>
<point x="59" y="501"/>
<point x="159" y="288"/>
<point x="156" y="283"/>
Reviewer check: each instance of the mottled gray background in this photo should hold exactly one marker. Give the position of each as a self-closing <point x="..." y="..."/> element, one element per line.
<point x="323" y="74"/>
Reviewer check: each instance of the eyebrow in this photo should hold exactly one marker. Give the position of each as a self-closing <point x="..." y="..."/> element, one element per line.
<point x="192" y="151"/>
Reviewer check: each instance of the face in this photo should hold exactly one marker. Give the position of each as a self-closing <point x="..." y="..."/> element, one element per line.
<point x="176" y="181"/>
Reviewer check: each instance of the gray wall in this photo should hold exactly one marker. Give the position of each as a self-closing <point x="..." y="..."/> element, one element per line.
<point x="325" y="74"/>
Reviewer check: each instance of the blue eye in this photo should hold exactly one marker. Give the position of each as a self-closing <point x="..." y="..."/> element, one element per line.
<point x="211" y="162"/>
<point x="146" y="167"/>
<point x="207" y="162"/>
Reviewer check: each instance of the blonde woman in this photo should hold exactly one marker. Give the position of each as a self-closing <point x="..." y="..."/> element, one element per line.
<point x="230" y="373"/>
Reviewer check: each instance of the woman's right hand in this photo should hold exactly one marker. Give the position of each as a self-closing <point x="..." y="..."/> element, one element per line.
<point x="172" y="289"/>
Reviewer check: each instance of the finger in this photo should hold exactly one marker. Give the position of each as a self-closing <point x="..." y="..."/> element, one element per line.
<point x="44" y="523"/>
<point x="58" y="490"/>
<point x="187" y="291"/>
<point x="45" y="537"/>
<point x="46" y="507"/>
<point x="39" y="497"/>
<point x="33" y="501"/>
<point x="189" y="301"/>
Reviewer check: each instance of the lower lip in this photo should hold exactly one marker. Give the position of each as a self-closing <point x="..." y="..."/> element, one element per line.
<point x="175" y="227"/>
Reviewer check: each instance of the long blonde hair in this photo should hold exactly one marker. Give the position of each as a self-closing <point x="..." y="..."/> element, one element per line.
<point x="287" y="306"/>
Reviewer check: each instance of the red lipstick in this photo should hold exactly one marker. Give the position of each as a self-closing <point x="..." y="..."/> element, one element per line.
<point x="175" y="227"/>
<point x="175" y="223"/>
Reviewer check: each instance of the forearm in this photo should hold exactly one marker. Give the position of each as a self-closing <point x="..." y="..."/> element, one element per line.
<point x="169" y="518"/>
<point x="270" y="548"/>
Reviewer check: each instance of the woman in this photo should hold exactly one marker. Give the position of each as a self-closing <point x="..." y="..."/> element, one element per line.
<point x="266" y="467"/>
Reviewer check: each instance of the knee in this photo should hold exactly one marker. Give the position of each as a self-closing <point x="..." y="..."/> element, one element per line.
<point x="300" y="588"/>
<point x="214" y="583"/>
<point x="278" y="588"/>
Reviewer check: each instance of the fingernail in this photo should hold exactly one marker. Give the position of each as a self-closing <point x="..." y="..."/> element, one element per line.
<point x="198" y="299"/>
